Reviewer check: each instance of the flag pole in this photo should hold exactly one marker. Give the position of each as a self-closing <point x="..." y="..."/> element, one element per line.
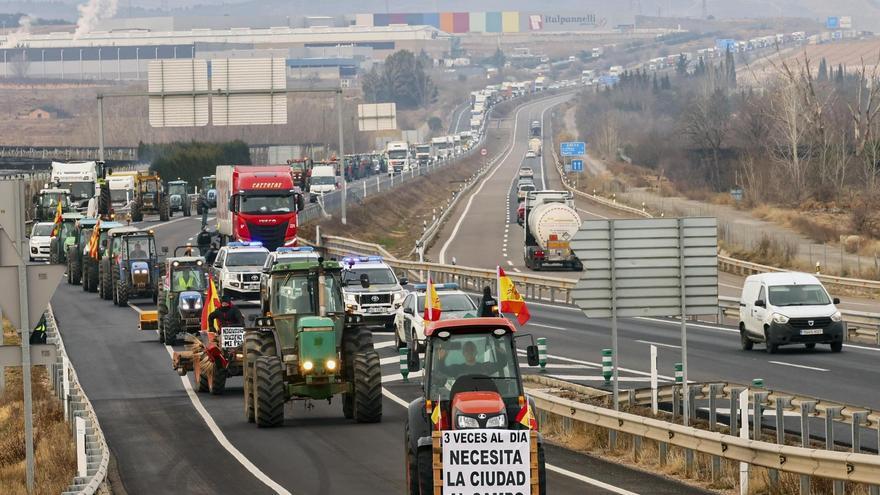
<point x="498" y="288"/>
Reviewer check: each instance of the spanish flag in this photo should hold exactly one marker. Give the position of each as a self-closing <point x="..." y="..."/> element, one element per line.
<point x="58" y="212"/>
<point x="510" y="299"/>
<point x="212" y="302"/>
<point x="526" y="418"/>
<point x="432" y="302"/>
<point x="93" y="241"/>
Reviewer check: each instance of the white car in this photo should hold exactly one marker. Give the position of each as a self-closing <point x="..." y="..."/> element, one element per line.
<point x="237" y="269"/>
<point x="41" y="238"/>
<point x="409" y="322"/>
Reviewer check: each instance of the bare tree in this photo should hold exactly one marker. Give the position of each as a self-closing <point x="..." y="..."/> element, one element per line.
<point x="707" y="122"/>
<point x="20" y="65"/>
<point x="608" y="135"/>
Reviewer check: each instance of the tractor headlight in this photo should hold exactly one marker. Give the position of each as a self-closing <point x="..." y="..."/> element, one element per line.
<point x="467" y="422"/>
<point x="780" y="319"/>
<point x="499" y="421"/>
<point x="308" y="366"/>
<point x="330" y="365"/>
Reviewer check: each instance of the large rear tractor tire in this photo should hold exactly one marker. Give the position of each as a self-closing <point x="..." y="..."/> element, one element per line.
<point x="122" y="293"/>
<point x="425" y="468"/>
<point x="85" y="276"/>
<point x="187" y="207"/>
<point x="203" y="385"/>
<point x="164" y="210"/>
<point x="54" y="251"/>
<point x="256" y="344"/>
<point x="268" y="392"/>
<point x="74" y="268"/>
<point x="542" y="471"/>
<point x="218" y="380"/>
<point x="171" y="328"/>
<point x="136" y="214"/>
<point x="367" y="388"/>
<point x="354" y="340"/>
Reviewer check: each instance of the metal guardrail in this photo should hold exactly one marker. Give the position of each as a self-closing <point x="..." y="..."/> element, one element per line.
<point x="844" y="466"/>
<point x="97" y="452"/>
<point x="67" y="153"/>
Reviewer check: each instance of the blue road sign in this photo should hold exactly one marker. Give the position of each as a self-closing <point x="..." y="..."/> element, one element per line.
<point x="577" y="165"/>
<point x="573" y="148"/>
<point x="832" y="22"/>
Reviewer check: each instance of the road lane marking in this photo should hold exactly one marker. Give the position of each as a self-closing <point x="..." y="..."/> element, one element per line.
<point x="221" y="438"/>
<point x="517" y="270"/>
<point x="598" y="378"/>
<point x="547" y="326"/>
<point x="550" y="467"/>
<point x="509" y="262"/>
<point x="659" y="344"/>
<point x="801" y="366"/>
<point x="381" y="345"/>
<point x="591" y="213"/>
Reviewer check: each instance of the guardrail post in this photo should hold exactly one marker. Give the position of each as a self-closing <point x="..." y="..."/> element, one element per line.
<point x="758" y="414"/>
<point x="713" y="420"/>
<point x="807" y="408"/>
<point x="782" y="403"/>
<point x="734" y="407"/>
<point x="858" y="419"/>
<point x="542" y="353"/>
<point x="404" y="363"/>
<point x="831" y="414"/>
<point x="81" y="459"/>
<point x="676" y="402"/>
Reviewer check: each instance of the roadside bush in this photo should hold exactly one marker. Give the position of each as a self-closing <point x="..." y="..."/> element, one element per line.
<point x="193" y="160"/>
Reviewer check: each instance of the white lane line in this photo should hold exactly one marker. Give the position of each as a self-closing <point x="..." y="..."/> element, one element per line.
<point x="509" y="262"/>
<point x="543" y="175"/>
<point x="381" y="345"/>
<point x="547" y="326"/>
<point x="221" y="438"/>
<point x="550" y="467"/>
<point x="389" y="360"/>
<point x="598" y="378"/>
<point x="598" y="365"/>
<point x="591" y="213"/>
<point x="659" y="344"/>
<point x="132" y="306"/>
<point x="801" y="366"/>
<point x="467" y="207"/>
<point x="517" y="270"/>
<point x="588" y="480"/>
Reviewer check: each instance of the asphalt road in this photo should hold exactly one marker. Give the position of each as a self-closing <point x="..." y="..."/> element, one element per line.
<point x="168" y="439"/>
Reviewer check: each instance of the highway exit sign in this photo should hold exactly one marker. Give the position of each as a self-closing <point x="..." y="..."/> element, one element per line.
<point x="573" y="148"/>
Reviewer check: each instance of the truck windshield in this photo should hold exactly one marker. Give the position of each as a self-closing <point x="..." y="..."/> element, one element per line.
<point x="323" y="180"/>
<point x="423" y="149"/>
<point x="380" y="276"/>
<point x="484" y="357"/>
<point x="798" y="295"/>
<point x="266" y="205"/>
<point x="118" y="195"/>
<point x="179" y="189"/>
<point x="50" y="200"/>
<point x="79" y="190"/>
<point x="297" y="294"/>
<point x="397" y="154"/>
<point x="247" y="258"/>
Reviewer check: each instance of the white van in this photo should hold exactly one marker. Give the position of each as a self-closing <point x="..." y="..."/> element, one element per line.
<point x="322" y="181"/>
<point x="788" y="308"/>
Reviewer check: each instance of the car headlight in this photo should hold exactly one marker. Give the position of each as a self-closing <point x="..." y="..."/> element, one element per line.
<point x="836" y="316"/>
<point x="351" y="299"/>
<point x="499" y="421"/>
<point x="467" y="422"/>
<point x="398" y="296"/>
<point x="781" y="319"/>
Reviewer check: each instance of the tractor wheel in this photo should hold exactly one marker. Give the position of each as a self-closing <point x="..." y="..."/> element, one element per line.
<point x="163" y="325"/>
<point x="171" y="328"/>
<point x="256" y="344"/>
<point x="85" y="276"/>
<point x="187" y="208"/>
<point x="136" y="214"/>
<point x="164" y="210"/>
<point x="74" y="268"/>
<point x="412" y="465"/>
<point x="425" y="468"/>
<point x="104" y="202"/>
<point x="204" y="384"/>
<point x="367" y="388"/>
<point x="107" y="282"/>
<point x="268" y="392"/>
<point x="93" y="276"/>
<point x="354" y="340"/>
<point x="122" y="293"/>
<point x="53" y="251"/>
<point x="218" y="380"/>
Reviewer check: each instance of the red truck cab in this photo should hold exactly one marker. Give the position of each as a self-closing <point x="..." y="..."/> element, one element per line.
<point x="257" y="203"/>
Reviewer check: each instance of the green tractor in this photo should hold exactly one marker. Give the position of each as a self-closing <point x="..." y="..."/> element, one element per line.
<point x="181" y="295"/>
<point x="129" y="266"/>
<point x="82" y="232"/>
<point x="90" y="261"/>
<point x="178" y="199"/>
<point x="65" y="237"/>
<point x="309" y="348"/>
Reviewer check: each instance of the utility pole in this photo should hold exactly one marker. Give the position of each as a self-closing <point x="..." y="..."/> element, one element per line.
<point x="341" y="153"/>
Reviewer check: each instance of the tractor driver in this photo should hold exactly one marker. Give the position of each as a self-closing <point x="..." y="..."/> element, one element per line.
<point x="187" y="279"/>
<point x="226" y="315"/>
<point x="138" y="252"/>
<point x="470" y="366"/>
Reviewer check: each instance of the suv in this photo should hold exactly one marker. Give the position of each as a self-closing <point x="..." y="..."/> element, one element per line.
<point x="789" y="308"/>
<point x="281" y="255"/>
<point x="409" y="322"/>
<point x="237" y="269"/>
<point x="371" y="289"/>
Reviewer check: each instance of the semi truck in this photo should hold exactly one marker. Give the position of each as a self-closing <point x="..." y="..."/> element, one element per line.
<point x="121" y="189"/>
<point x="535" y="146"/>
<point x="398" y="157"/>
<point x="535" y="129"/>
<point x="423" y="154"/>
<point x="440" y="147"/>
<point x="257" y="204"/>
<point x="80" y="178"/>
<point x="550" y="222"/>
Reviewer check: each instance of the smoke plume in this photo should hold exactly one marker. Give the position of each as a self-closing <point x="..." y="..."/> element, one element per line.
<point x="91" y="13"/>
<point x="24" y="28"/>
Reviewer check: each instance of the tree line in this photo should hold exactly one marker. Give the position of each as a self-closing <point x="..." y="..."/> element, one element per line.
<point x="403" y="79"/>
<point x="192" y="160"/>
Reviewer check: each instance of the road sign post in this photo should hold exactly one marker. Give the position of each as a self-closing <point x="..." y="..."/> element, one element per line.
<point x="648" y="267"/>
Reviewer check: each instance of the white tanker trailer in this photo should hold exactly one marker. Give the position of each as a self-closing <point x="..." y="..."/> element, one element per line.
<point x="551" y="222"/>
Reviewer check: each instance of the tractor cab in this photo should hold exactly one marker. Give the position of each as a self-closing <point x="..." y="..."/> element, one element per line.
<point x="178" y="199"/>
<point x="471" y="380"/>
<point x="207" y="193"/>
<point x="129" y="266"/>
<point x="181" y="294"/>
<point x="63" y="238"/>
<point x="46" y="203"/>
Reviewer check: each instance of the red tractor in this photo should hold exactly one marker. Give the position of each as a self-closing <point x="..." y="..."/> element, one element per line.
<point x="472" y="380"/>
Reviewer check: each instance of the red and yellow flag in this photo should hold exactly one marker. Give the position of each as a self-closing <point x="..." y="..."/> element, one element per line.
<point x="212" y="302"/>
<point x="526" y="418"/>
<point x="432" y="303"/>
<point x="510" y="299"/>
<point x="93" y="241"/>
<point x="58" y="213"/>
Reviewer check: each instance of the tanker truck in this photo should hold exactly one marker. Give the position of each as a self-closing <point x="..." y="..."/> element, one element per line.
<point x="550" y="222"/>
<point x="535" y="146"/>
